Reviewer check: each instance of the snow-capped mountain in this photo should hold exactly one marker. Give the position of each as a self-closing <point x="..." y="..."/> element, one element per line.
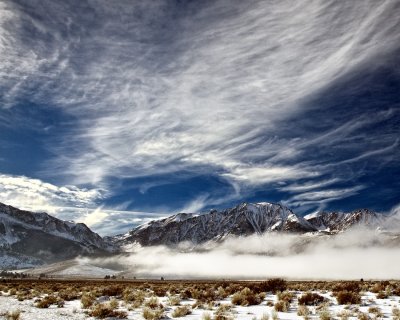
<point x="244" y="219"/>
<point x="335" y="222"/>
<point x="33" y="238"/>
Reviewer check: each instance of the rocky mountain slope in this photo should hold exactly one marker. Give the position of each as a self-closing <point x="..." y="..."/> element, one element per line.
<point x="242" y="220"/>
<point x="29" y="238"/>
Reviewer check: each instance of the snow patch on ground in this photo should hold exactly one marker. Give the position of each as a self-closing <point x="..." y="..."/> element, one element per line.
<point x="73" y="310"/>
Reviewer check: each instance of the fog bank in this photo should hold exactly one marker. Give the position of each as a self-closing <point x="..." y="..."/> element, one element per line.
<point x="357" y="254"/>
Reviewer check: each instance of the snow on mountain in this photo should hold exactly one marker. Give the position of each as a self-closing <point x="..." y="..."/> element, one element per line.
<point x="242" y="220"/>
<point x="338" y="221"/>
<point x="33" y="238"/>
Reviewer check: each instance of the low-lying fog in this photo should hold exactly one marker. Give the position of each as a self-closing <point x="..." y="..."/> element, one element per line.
<point x="352" y="255"/>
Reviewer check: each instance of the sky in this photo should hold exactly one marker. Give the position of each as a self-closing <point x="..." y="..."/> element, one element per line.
<point x="115" y="113"/>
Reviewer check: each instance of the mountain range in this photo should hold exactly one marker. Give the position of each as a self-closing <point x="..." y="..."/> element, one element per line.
<point x="243" y="220"/>
<point x="36" y="238"/>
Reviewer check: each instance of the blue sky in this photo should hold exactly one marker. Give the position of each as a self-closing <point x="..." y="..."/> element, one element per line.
<point x="113" y="113"/>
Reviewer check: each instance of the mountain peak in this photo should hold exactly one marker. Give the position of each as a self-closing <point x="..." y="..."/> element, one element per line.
<point x="32" y="238"/>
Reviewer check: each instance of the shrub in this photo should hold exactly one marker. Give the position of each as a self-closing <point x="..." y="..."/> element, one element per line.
<point x="174" y="300"/>
<point x="153" y="303"/>
<point x="348" y="297"/>
<point x="246" y="297"/>
<point x="382" y="295"/>
<point x="311" y="299"/>
<point x="344" y="314"/>
<point x="46" y="302"/>
<point x="206" y="316"/>
<point x="13" y="315"/>
<point x="274" y="315"/>
<point x="265" y="316"/>
<point x="396" y="313"/>
<point x="363" y="316"/>
<point x="104" y="310"/>
<point x="87" y="300"/>
<point x="351" y="286"/>
<point x="221" y="293"/>
<point x="153" y="314"/>
<point x="136" y="297"/>
<point x="181" y="311"/>
<point x="376" y="311"/>
<point x="281" y="306"/>
<point x="285" y="296"/>
<point x="160" y="291"/>
<point x="223" y="312"/>
<point x="274" y="285"/>
<point x="112" y="291"/>
<point x="303" y="311"/>
<point x="324" y="314"/>
<point x="377" y="287"/>
<point x="114" y="304"/>
<point x="186" y="294"/>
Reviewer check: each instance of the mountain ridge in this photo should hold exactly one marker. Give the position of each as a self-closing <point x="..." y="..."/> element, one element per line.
<point x="241" y="220"/>
<point x="34" y="238"/>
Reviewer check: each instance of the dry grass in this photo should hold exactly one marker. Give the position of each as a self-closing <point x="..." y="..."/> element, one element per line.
<point x="138" y="294"/>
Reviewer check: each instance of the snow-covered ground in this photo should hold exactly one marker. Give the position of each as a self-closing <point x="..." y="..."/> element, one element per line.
<point x="73" y="309"/>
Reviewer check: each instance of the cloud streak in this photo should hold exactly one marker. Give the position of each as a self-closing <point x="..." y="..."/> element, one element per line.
<point x="162" y="88"/>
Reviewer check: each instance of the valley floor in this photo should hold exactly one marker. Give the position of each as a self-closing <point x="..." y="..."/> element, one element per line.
<point x="214" y="300"/>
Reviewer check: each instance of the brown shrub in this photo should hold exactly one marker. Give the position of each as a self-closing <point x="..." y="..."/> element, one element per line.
<point x="348" y="297"/>
<point x="281" y="306"/>
<point x="246" y="297"/>
<point x="153" y="303"/>
<point x="181" y="311"/>
<point x="303" y="311"/>
<point x="285" y="296"/>
<point x="104" y="310"/>
<point x="112" y="291"/>
<point x="46" y="301"/>
<point x="311" y="299"/>
<point x="351" y="286"/>
<point x="153" y="314"/>
<point x="13" y="315"/>
<point x="87" y="300"/>
<point x="274" y="285"/>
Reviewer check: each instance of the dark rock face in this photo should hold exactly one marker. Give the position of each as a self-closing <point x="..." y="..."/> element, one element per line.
<point x="244" y="219"/>
<point x="29" y="238"/>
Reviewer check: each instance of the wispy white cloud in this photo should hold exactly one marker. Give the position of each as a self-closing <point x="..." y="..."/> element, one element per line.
<point x="34" y="194"/>
<point x="157" y="90"/>
<point x="322" y="196"/>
